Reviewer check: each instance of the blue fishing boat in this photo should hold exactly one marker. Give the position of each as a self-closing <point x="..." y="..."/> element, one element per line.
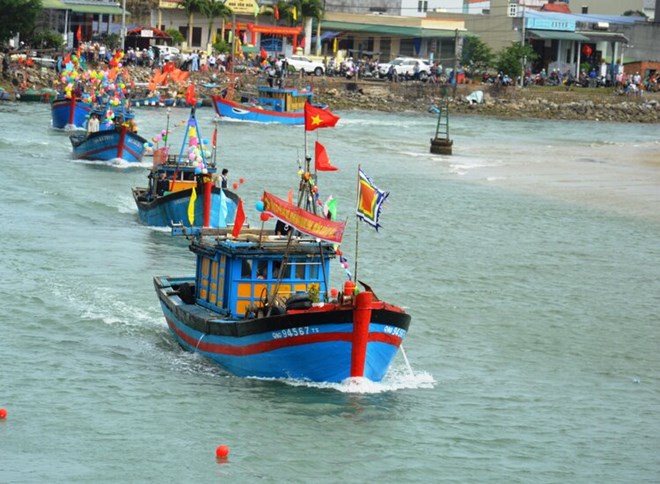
<point x="4" y="95"/>
<point x="181" y="189"/>
<point x="70" y="112"/>
<point x="148" y="101"/>
<point x="260" y="302"/>
<point x="109" y="144"/>
<point x="272" y="105"/>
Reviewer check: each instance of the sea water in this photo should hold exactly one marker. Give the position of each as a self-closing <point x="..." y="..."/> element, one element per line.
<point x="529" y="261"/>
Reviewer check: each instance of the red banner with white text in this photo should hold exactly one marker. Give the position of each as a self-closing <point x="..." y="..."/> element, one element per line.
<point x="302" y="220"/>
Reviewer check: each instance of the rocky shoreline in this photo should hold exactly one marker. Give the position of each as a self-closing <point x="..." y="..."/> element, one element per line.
<point x="512" y="102"/>
<point x="559" y="103"/>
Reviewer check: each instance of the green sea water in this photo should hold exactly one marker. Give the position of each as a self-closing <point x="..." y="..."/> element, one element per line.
<point x="529" y="261"/>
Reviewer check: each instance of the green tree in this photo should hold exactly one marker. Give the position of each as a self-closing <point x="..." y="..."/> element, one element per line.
<point x="310" y="10"/>
<point x="191" y="7"/>
<point x="634" y="13"/>
<point x="18" y="16"/>
<point x="212" y="10"/>
<point x="510" y="59"/>
<point x="46" y="40"/>
<point x="282" y="8"/>
<point x="476" y="53"/>
<point x="177" y="37"/>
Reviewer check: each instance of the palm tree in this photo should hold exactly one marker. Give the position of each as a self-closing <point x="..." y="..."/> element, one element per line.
<point x="213" y="9"/>
<point x="282" y="10"/>
<point x="191" y="7"/>
<point x="310" y="10"/>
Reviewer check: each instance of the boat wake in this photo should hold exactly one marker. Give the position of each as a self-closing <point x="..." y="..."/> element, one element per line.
<point x="398" y="378"/>
<point x="117" y="163"/>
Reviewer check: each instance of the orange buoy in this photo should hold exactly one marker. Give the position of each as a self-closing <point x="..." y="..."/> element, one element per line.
<point x="222" y="452"/>
<point x="3" y="413"/>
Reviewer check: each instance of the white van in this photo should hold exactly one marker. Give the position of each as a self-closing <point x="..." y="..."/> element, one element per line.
<point x="167" y="52"/>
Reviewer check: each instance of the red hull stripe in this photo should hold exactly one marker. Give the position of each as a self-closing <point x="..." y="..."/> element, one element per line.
<point x="266" y="346"/>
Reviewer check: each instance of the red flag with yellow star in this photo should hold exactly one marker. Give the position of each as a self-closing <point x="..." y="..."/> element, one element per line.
<point x="316" y="117"/>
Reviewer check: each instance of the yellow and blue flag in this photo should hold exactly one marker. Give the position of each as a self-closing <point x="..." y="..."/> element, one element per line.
<point x="370" y="200"/>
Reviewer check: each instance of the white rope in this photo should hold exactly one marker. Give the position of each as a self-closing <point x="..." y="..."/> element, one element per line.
<point x="405" y="358"/>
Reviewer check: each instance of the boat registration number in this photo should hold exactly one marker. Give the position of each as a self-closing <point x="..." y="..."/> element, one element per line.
<point x="394" y="331"/>
<point x="291" y="332"/>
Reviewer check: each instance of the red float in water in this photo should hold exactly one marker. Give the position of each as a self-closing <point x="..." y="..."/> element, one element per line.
<point x="222" y="452"/>
<point x="3" y="413"/>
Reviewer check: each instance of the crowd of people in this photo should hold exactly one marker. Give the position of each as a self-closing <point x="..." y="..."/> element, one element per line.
<point x="275" y="68"/>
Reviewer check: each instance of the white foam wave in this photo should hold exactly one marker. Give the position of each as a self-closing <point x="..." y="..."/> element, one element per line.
<point x="396" y="379"/>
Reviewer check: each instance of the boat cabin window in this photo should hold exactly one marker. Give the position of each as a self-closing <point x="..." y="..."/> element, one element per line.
<point x="246" y="269"/>
<point x="259" y="278"/>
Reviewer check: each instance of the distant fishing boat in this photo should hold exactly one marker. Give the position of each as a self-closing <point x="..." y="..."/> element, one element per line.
<point x="70" y="112"/>
<point x="272" y="105"/>
<point x="181" y="189"/>
<point x="107" y="145"/>
<point x="45" y="95"/>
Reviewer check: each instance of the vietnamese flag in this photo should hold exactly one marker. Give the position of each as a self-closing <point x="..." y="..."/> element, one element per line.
<point x="276" y="12"/>
<point x="239" y="219"/>
<point x="318" y="118"/>
<point x="79" y="34"/>
<point x="322" y="162"/>
<point x="263" y="54"/>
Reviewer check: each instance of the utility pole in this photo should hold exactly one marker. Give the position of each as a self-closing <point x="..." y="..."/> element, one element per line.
<point x="123" y="24"/>
<point x="455" y="71"/>
<point x="522" y="44"/>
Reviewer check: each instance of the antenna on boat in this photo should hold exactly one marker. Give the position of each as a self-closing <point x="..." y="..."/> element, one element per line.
<point x="167" y="128"/>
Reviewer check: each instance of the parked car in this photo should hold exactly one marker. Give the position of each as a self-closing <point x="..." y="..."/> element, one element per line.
<point x="167" y="52"/>
<point x="406" y="67"/>
<point x="300" y="62"/>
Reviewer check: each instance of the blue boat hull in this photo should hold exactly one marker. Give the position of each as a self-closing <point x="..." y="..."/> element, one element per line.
<point x="69" y="111"/>
<point x="314" y="345"/>
<point x="109" y="145"/>
<point x="244" y="112"/>
<point x="163" y="210"/>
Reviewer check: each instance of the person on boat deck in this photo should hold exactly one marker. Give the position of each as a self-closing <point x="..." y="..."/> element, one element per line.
<point x="223" y="178"/>
<point x="119" y="120"/>
<point x="93" y="124"/>
<point x="162" y="184"/>
<point x="132" y="125"/>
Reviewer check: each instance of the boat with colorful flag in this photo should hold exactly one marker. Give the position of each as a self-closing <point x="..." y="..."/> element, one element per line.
<point x="261" y="303"/>
<point x="271" y="105"/>
<point x="181" y="188"/>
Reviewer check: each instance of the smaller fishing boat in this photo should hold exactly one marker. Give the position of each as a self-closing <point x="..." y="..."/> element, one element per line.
<point x="181" y="187"/>
<point x="109" y="144"/>
<point x="70" y="112"/>
<point x="45" y="95"/>
<point x="4" y="95"/>
<point x="271" y="105"/>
